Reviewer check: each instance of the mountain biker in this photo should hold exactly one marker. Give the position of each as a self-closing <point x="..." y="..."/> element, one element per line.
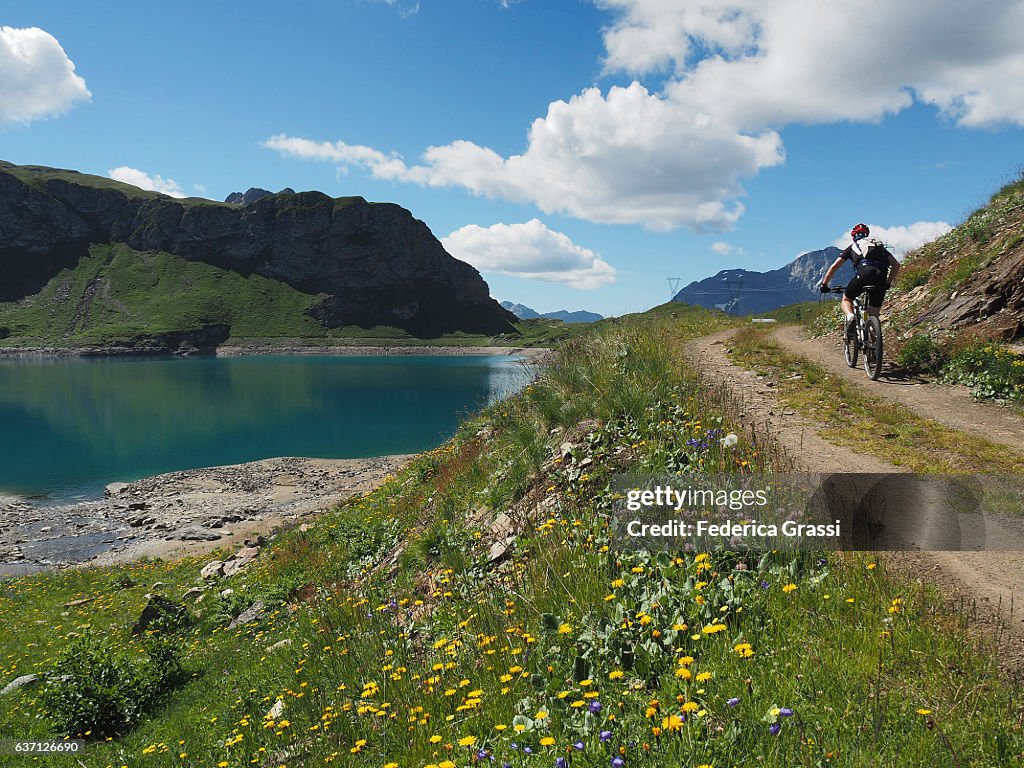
<point x="872" y="262"/>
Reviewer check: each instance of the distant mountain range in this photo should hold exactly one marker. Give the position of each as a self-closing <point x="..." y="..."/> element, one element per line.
<point x="745" y="292"/>
<point x="523" y="312"/>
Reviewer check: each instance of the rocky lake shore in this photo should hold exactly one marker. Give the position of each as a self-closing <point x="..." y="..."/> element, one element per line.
<point x="179" y="513"/>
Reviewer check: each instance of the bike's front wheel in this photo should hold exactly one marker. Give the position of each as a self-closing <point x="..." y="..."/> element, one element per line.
<point x="850" y="344"/>
<point x="873" y="347"/>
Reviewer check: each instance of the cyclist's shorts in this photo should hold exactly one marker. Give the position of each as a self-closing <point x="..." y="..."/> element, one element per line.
<point x="868" y="275"/>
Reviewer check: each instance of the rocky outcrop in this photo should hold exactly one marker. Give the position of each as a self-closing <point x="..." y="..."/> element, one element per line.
<point x="992" y="302"/>
<point x="745" y="292"/>
<point x="369" y="263"/>
<point x="253" y="194"/>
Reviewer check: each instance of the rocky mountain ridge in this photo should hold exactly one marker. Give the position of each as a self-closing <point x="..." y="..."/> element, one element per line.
<point x="524" y="312"/>
<point x="747" y="292"/>
<point x="253" y="194"/>
<point x="363" y="264"/>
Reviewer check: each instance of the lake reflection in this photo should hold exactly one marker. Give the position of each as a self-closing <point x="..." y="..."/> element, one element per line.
<point x="69" y="426"/>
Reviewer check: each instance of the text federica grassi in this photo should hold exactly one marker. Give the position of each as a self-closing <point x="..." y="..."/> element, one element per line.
<point x="729" y="530"/>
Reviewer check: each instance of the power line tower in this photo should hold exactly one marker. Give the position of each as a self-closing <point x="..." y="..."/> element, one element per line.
<point x="673" y="286"/>
<point x="734" y="285"/>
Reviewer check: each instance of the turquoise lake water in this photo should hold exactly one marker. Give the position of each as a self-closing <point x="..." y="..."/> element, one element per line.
<point x="70" y="426"/>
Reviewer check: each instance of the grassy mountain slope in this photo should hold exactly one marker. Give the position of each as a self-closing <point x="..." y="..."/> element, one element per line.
<point x="117" y="293"/>
<point x="353" y="268"/>
<point x="967" y="282"/>
<point x="480" y="606"/>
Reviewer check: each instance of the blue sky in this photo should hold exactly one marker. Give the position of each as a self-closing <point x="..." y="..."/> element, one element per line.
<point x="578" y="152"/>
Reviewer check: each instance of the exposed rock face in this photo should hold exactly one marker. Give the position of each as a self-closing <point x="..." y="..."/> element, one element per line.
<point x="373" y="263"/>
<point x="253" y="194"/>
<point x="744" y="292"/>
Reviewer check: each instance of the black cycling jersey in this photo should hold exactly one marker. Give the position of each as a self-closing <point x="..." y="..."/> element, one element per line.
<point x="867" y="250"/>
<point x="870" y="260"/>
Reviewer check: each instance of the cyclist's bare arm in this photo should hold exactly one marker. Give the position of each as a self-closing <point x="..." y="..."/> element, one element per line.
<point x="894" y="268"/>
<point x="832" y="270"/>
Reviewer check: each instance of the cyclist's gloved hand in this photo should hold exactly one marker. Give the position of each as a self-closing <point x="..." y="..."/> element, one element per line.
<point x="824" y="288"/>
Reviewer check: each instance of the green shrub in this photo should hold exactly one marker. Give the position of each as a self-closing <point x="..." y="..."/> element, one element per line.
<point x="913" y="277"/>
<point x="990" y="370"/>
<point x="101" y="689"/>
<point x="920" y="353"/>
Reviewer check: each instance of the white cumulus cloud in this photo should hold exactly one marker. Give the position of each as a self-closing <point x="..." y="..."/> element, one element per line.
<point x="531" y="251"/>
<point x="143" y="180"/>
<point x="901" y="239"/>
<point x="775" y="62"/>
<point x="628" y="156"/>
<point x="37" y="79"/>
<point x="731" y="74"/>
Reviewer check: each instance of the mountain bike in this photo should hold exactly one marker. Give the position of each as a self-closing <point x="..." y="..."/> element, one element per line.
<point x="863" y="334"/>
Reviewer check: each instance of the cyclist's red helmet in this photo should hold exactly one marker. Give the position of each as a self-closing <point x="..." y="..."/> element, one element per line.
<point x="859" y="231"/>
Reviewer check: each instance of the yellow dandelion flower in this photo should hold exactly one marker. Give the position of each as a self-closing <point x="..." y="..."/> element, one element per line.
<point x="672" y="723"/>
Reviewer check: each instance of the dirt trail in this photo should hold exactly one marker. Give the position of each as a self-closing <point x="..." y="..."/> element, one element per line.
<point x="949" y="405"/>
<point x="989" y="585"/>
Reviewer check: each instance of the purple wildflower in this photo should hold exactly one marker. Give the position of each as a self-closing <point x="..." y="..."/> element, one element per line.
<point x="618" y="762"/>
<point x="605" y="735"/>
<point x="764" y="584"/>
<point x="732" y="702"/>
<point x="561" y="762"/>
<point x="527" y="750"/>
<point x="578" y="746"/>
<point x="774" y="728"/>
<point x="595" y="705"/>
<point x="785" y="712"/>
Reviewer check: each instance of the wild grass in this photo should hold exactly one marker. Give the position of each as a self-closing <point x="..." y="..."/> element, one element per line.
<point x="394" y="637"/>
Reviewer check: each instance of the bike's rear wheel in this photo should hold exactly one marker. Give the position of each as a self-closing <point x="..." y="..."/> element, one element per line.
<point x="850" y="344"/>
<point x="873" y="347"/>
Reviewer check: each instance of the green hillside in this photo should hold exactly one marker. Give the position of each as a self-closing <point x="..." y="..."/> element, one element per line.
<point x="480" y="606"/>
<point x="116" y="293"/>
